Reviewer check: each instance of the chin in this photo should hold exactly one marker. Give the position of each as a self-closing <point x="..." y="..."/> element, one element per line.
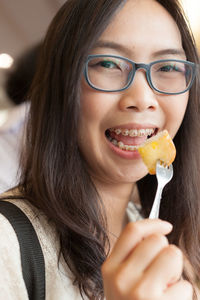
<point x="131" y="175"/>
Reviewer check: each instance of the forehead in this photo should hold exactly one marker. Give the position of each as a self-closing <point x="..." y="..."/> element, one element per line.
<point x="143" y="25"/>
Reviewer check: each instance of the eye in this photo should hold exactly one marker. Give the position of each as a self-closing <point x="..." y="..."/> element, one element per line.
<point x="105" y="64"/>
<point x="170" y="68"/>
<point x="108" y="64"/>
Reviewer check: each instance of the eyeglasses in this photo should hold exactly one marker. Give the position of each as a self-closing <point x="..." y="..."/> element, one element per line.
<point x="110" y="73"/>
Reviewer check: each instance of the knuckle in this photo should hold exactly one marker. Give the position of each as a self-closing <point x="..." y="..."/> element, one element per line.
<point x="173" y="256"/>
<point x="114" y="281"/>
<point x="174" y="252"/>
<point x="105" y="270"/>
<point x="134" y="229"/>
<point x="137" y="295"/>
<point x="141" y="293"/>
<point x="159" y="239"/>
<point x="118" y="283"/>
<point x="188" y="289"/>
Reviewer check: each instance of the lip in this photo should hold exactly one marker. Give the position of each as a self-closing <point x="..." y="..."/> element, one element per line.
<point x="129" y="155"/>
<point x="135" y="126"/>
<point x="123" y="153"/>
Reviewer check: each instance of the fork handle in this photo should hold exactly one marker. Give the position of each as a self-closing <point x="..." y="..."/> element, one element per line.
<point x="154" y="214"/>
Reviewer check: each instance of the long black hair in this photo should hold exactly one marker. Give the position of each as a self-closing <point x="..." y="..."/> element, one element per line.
<point x="54" y="174"/>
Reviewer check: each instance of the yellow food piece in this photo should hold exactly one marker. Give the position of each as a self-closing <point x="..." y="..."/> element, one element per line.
<point x="159" y="147"/>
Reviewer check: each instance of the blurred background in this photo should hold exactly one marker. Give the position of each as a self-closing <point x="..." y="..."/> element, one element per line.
<point x="24" y="22"/>
<point x="192" y="10"/>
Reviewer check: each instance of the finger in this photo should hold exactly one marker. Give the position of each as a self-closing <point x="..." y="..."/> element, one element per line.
<point x="181" y="290"/>
<point x="133" y="234"/>
<point x="165" y="270"/>
<point x="133" y="267"/>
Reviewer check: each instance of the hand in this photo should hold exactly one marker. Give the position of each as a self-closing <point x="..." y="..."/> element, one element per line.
<point x="143" y="266"/>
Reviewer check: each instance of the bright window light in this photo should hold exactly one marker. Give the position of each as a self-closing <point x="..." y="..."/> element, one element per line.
<point x="3" y="116"/>
<point x="192" y="9"/>
<point x="6" y="61"/>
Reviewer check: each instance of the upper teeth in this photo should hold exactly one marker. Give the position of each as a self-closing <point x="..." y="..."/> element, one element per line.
<point x="133" y="132"/>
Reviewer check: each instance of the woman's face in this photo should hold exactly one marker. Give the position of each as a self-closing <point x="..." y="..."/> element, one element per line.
<point x="142" y="31"/>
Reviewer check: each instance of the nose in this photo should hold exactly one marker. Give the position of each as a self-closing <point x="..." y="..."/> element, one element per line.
<point x="139" y="96"/>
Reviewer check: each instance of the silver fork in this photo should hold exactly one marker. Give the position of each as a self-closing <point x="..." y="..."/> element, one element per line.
<point x="164" y="175"/>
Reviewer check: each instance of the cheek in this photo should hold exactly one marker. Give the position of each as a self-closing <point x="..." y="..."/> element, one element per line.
<point x="96" y="107"/>
<point x="91" y="105"/>
<point x="93" y="110"/>
<point x="175" y="112"/>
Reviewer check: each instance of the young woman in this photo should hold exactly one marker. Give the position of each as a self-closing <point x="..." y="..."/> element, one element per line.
<point x="108" y="69"/>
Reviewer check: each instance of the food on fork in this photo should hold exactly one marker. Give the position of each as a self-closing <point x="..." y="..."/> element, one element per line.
<point x="159" y="147"/>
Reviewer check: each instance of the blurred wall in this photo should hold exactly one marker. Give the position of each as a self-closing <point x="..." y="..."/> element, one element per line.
<point x="22" y="24"/>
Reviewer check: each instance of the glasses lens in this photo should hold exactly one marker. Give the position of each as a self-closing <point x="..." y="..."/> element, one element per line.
<point x="171" y="76"/>
<point x="109" y="73"/>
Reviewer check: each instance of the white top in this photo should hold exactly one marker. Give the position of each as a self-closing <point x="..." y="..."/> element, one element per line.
<point x="58" y="280"/>
<point x="11" y="142"/>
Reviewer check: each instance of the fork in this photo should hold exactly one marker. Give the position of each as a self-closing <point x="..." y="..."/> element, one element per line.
<point x="163" y="174"/>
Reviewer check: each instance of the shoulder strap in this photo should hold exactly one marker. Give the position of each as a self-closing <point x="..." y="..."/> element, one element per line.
<point x="32" y="259"/>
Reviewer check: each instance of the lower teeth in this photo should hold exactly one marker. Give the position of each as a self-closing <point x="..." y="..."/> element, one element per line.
<point x="122" y="146"/>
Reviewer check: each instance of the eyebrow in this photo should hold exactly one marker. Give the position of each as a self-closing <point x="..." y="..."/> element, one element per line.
<point x="112" y="45"/>
<point x="128" y="51"/>
<point x="172" y="51"/>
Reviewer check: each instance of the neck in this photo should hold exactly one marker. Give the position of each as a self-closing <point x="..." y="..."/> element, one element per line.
<point x="115" y="198"/>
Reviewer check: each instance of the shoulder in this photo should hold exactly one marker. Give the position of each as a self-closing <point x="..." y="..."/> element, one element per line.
<point x="10" y="263"/>
<point x="44" y="229"/>
<point x="15" y="118"/>
<point x="11" y="278"/>
<point x="59" y="279"/>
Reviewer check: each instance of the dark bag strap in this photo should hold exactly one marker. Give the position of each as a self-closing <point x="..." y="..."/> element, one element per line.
<point x="32" y="259"/>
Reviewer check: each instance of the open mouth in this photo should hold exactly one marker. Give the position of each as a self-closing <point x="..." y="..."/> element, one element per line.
<point x="129" y="139"/>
